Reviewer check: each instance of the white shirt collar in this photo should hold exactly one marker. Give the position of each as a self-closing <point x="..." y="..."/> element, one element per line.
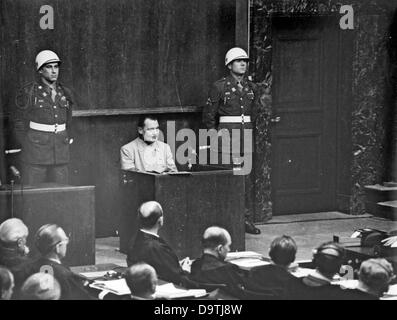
<point x="151" y="233"/>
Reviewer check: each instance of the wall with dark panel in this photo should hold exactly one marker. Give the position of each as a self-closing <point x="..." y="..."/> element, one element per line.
<point x="122" y="58"/>
<point x="366" y="96"/>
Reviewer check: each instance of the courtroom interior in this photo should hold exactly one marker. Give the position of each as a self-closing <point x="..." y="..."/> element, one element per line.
<point x="199" y="149"/>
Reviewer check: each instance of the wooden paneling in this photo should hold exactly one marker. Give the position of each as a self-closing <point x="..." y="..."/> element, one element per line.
<point x="72" y="208"/>
<point x="121" y="54"/>
<point x="96" y="158"/>
<point x="191" y="203"/>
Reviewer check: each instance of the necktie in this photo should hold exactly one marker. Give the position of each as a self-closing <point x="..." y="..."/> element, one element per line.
<point x="53" y="94"/>
<point x="239" y="86"/>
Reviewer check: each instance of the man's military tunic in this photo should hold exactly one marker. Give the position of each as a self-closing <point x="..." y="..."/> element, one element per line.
<point x="34" y="104"/>
<point x="227" y="99"/>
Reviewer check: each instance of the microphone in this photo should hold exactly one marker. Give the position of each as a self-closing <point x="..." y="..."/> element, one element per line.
<point x="15" y="172"/>
<point x="12" y="151"/>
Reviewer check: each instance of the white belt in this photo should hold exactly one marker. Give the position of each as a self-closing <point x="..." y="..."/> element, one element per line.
<point x="47" y="127"/>
<point x="235" y="119"/>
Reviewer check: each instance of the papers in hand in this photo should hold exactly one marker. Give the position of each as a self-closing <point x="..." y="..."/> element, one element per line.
<point x="246" y="260"/>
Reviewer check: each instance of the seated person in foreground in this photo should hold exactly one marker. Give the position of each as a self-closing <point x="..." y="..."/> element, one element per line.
<point x="147" y="153"/>
<point x="148" y="247"/>
<point x="327" y="259"/>
<point x="6" y="284"/>
<point x="41" y="286"/>
<point x="141" y="278"/>
<point x="211" y="267"/>
<point x="52" y="242"/>
<point x="13" y="249"/>
<point x="276" y="276"/>
<point x="375" y="276"/>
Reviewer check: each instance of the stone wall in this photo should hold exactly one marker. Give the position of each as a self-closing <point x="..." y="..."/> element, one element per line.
<point x="372" y="91"/>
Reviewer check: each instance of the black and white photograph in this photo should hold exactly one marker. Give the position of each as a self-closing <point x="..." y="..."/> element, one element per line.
<point x="216" y="151"/>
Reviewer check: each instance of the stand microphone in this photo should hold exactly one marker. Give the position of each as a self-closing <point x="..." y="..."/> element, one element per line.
<point x="15" y="172"/>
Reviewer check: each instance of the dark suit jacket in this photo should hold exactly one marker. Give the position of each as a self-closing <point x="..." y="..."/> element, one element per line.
<point x="71" y="284"/>
<point x="11" y="258"/>
<point x="272" y="277"/>
<point x="156" y="252"/>
<point x="210" y="270"/>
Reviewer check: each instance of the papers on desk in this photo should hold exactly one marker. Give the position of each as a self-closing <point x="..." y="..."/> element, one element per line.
<point x="169" y="291"/>
<point x="391" y="294"/>
<point x="93" y="274"/>
<point x="246" y="260"/>
<point x="165" y="291"/>
<point x="243" y="254"/>
<point x="301" y="272"/>
<point x="118" y="287"/>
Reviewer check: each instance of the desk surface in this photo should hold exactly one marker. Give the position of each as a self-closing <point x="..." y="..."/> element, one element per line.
<point x="44" y="187"/>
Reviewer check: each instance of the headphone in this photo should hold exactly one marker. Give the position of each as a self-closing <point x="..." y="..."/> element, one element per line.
<point x="321" y="251"/>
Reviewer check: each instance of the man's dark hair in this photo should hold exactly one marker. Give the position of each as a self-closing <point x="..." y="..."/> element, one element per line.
<point x="212" y="240"/>
<point x="143" y="117"/>
<point x="283" y="250"/>
<point x="5" y="279"/>
<point x="140" y="278"/>
<point x="328" y="258"/>
<point x="151" y="219"/>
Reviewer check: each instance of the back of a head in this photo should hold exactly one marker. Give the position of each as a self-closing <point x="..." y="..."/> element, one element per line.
<point x="41" y="286"/>
<point x="376" y="274"/>
<point x="47" y="237"/>
<point x="6" y="283"/>
<point x="141" y="278"/>
<point x="283" y="250"/>
<point x="214" y="236"/>
<point x="13" y="229"/>
<point x="328" y="258"/>
<point x="149" y="213"/>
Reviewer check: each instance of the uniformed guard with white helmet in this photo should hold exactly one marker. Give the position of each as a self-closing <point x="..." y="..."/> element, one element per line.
<point x="231" y="106"/>
<point x="42" y="123"/>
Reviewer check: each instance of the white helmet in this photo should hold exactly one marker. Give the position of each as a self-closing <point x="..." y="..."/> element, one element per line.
<point x="235" y="54"/>
<point x="44" y="57"/>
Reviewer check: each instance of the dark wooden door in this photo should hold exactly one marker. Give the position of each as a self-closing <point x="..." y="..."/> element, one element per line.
<point x="305" y="55"/>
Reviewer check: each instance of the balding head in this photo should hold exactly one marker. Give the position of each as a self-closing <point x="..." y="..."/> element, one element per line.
<point x="13" y="229"/>
<point x="41" y="286"/>
<point x="49" y="237"/>
<point x="149" y="214"/>
<point x="216" y="241"/>
<point x="141" y="278"/>
<point x="376" y="274"/>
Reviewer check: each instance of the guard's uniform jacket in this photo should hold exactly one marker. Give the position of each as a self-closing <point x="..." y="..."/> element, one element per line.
<point x="34" y="104"/>
<point x="237" y="105"/>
